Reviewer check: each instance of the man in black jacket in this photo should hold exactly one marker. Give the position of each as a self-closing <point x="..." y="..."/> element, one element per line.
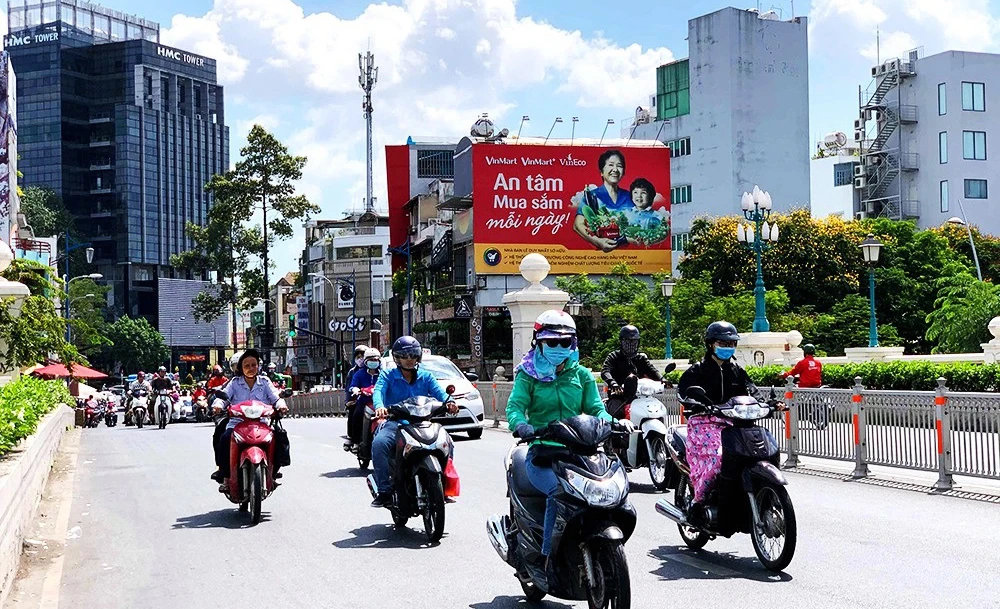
<point x="720" y="376"/>
<point x="623" y="368"/>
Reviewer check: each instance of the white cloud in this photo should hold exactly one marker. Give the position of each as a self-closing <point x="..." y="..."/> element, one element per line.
<point x="890" y="44"/>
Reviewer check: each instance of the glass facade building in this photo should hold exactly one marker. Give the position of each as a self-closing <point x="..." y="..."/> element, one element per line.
<point x="126" y="130"/>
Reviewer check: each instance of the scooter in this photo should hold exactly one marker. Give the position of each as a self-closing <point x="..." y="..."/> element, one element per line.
<point x="140" y="406"/>
<point x="163" y="407"/>
<point x="110" y="415"/>
<point x="252" y="455"/>
<point x="93" y="413"/>
<point x="647" y="445"/>
<point x="363" y="449"/>
<point x="418" y="465"/>
<point x="201" y="410"/>
<point x="595" y="518"/>
<point x="749" y="494"/>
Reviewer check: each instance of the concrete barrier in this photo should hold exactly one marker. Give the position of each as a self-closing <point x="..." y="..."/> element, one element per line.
<point x="23" y="475"/>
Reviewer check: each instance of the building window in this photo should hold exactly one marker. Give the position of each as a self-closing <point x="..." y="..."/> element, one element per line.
<point x="435" y="164"/>
<point x="680" y="194"/>
<point x="974" y="96"/>
<point x="843" y="174"/>
<point x="359" y="251"/>
<point x="942" y="100"/>
<point x="943" y="147"/>
<point x="974" y="145"/>
<point x="681" y="147"/>
<point x="679" y="242"/>
<point x="673" y="90"/>
<point x="975" y="189"/>
<point x="944" y="196"/>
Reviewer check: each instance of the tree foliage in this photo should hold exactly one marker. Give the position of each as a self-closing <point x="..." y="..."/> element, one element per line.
<point x="45" y="212"/>
<point x="88" y="316"/>
<point x="136" y="345"/>
<point x="36" y="331"/>
<point x="228" y="243"/>
<point x="964" y="307"/>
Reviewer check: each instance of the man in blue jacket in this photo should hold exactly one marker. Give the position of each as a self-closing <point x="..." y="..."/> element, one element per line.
<point x="404" y="381"/>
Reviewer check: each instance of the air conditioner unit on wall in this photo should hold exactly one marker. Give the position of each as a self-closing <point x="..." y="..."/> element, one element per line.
<point x="860" y="183"/>
<point x="875" y="71"/>
<point x="859" y="215"/>
<point x="870" y="207"/>
<point x="859" y="171"/>
<point x="859" y="124"/>
<point x="859" y="135"/>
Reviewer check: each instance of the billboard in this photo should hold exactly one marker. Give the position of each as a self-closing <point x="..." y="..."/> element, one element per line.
<point x="585" y="208"/>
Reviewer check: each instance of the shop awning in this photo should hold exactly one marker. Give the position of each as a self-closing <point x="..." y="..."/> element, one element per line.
<point x="59" y="371"/>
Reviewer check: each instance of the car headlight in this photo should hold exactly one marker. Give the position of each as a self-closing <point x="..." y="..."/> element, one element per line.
<point x="747" y="411"/>
<point x="598" y="493"/>
<point x="473" y="395"/>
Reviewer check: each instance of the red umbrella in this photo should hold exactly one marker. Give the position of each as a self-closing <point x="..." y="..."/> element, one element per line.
<point x="60" y="371"/>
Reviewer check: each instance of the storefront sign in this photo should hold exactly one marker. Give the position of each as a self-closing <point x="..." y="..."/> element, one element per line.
<point x="46" y="33"/>
<point x="180" y="56"/>
<point x="585" y="208"/>
<point x="351" y="324"/>
<point x="190" y="357"/>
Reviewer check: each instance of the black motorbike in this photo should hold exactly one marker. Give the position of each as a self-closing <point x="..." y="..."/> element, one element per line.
<point x="595" y="518"/>
<point x="417" y="465"/>
<point x="749" y="495"/>
<point x="110" y="414"/>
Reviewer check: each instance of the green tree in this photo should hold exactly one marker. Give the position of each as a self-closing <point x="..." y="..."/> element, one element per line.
<point x="847" y="325"/>
<point x="45" y="212"/>
<point x="264" y="179"/>
<point x="88" y="316"/>
<point x="38" y="332"/>
<point x="135" y="345"/>
<point x="964" y="307"/>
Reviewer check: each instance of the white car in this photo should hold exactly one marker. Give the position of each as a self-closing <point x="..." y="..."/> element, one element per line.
<point x="470" y="402"/>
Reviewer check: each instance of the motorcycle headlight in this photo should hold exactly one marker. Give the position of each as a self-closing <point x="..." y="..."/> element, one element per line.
<point x="747" y="411"/>
<point x="598" y="493"/>
<point x="442" y="442"/>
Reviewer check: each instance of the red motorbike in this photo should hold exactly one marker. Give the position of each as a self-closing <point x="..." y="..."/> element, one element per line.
<point x="251" y="457"/>
<point x="363" y="449"/>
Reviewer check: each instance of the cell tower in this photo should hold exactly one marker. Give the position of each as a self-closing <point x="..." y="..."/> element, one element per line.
<point x="367" y="80"/>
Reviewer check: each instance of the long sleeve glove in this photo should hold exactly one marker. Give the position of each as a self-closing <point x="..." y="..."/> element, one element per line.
<point x="524" y="430"/>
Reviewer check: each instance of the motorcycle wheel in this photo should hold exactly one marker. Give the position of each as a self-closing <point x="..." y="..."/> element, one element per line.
<point x="774" y="536"/>
<point x="138" y="422"/>
<point x="532" y="593"/>
<point x="434" y="510"/>
<point x="363" y="462"/>
<point x="611" y="588"/>
<point x="693" y="538"/>
<point x="658" y="463"/>
<point x="475" y="434"/>
<point x="256" y="492"/>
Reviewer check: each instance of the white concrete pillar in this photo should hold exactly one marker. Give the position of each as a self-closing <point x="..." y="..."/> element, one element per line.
<point x="527" y="304"/>
<point x="992" y="348"/>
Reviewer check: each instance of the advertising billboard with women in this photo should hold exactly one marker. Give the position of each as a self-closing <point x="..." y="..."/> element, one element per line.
<point x="585" y="208"/>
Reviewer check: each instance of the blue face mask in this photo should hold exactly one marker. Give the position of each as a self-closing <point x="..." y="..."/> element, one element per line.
<point x="725" y="353"/>
<point x="372" y="365"/>
<point x="556" y="355"/>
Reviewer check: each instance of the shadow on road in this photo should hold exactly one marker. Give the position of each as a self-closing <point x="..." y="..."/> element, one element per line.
<point x="645" y="488"/>
<point x="347" y="472"/>
<point x="385" y="536"/>
<point x="679" y="563"/>
<point x="511" y="602"/>
<point x="219" y="519"/>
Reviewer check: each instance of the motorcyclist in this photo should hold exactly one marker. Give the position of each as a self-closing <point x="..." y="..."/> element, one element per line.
<point x="218" y="378"/>
<point x="623" y="368"/>
<point x="359" y="364"/>
<point x="140" y="382"/>
<point x="404" y="381"/>
<point x="722" y="379"/>
<point x="361" y="379"/>
<point x="160" y="381"/>
<point x="808" y="369"/>
<point x="250" y="386"/>
<point x="549" y="385"/>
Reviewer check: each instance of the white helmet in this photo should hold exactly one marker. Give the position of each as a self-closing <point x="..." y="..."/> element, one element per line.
<point x="372" y="352"/>
<point x="554" y="323"/>
<point x="234" y="362"/>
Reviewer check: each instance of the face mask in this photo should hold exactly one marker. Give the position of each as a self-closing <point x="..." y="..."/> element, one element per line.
<point x="556" y="355"/>
<point x="725" y="353"/>
<point x="372" y="365"/>
<point x="359" y="361"/>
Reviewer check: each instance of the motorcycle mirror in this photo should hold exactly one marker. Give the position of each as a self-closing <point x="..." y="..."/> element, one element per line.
<point x="670" y="368"/>
<point x="697" y="393"/>
<point x="287" y="393"/>
<point x="450" y="389"/>
<point x="221" y="394"/>
<point x="774" y="395"/>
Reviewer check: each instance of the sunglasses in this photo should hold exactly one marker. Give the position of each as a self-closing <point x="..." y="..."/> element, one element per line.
<point x="557" y="342"/>
<point x="406" y="356"/>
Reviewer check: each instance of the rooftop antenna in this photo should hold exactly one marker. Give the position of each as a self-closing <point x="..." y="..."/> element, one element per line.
<point x="554" y="123"/>
<point x="878" y="48"/>
<point x="572" y="135"/>
<point x="610" y="122"/>
<point x="367" y="80"/>
<point x="524" y="119"/>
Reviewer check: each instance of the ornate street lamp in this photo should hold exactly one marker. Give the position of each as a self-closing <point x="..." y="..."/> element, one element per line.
<point x="667" y="289"/>
<point x="871" y="247"/>
<point x="755" y="237"/>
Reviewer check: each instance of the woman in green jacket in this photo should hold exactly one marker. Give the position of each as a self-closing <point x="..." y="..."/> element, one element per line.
<point x="549" y="385"/>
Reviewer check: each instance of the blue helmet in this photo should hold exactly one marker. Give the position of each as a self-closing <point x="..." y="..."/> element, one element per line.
<point x="406" y="346"/>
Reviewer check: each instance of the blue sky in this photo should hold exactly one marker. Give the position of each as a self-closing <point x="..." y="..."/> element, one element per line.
<point x="291" y="65"/>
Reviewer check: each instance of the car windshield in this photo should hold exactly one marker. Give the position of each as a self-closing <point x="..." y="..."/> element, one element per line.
<point x="441" y="368"/>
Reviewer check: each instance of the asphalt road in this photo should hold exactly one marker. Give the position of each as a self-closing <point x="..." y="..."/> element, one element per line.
<point x="155" y="533"/>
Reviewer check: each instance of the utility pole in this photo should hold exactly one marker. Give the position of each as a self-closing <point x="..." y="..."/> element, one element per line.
<point x="367" y="80"/>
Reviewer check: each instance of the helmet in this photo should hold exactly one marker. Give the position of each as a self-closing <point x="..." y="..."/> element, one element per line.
<point x="371" y="352"/>
<point x="233" y="361"/>
<point x="628" y="338"/>
<point x="406" y="345"/>
<point x="217" y="369"/>
<point x="554" y="324"/>
<point x="809" y="349"/>
<point x="720" y="330"/>
<point x="272" y="366"/>
<point x="161" y="369"/>
<point x="359" y="350"/>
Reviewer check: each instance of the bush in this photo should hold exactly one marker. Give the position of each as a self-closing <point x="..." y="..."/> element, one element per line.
<point x="23" y="404"/>
<point x="897" y="376"/>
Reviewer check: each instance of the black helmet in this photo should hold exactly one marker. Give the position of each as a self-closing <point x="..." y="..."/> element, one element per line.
<point x="248" y="353"/>
<point x="720" y="330"/>
<point x="809" y="349"/>
<point x="628" y="339"/>
<point x="406" y="346"/>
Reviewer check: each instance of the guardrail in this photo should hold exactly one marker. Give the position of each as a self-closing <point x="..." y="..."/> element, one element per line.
<point x="944" y="431"/>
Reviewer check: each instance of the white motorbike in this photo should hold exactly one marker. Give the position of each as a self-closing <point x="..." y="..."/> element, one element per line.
<point x="647" y="445"/>
<point x="164" y="406"/>
<point x="139" y="407"/>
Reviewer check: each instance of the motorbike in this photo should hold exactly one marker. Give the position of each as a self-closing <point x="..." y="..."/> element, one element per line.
<point x="418" y="465"/>
<point x="749" y="494"/>
<point x="363" y="449"/>
<point x="251" y="456"/>
<point x="110" y="415"/>
<point x="140" y="407"/>
<point x="201" y="414"/>
<point x="595" y="518"/>
<point x="164" y="406"/>
<point x="818" y="414"/>
<point x="647" y="445"/>
<point x="93" y="413"/>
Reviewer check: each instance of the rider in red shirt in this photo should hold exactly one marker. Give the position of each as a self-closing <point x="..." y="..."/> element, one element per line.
<point x="218" y="379"/>
<point x="809" y="369"/>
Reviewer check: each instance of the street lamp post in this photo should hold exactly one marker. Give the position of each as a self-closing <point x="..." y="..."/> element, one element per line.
<point x="667" y="289"/>
<point x="755" y="237"/>
<point x="963" y="221"/>
<point x="68" y="327"/>
<point x="67" y="281"/>
<point x="870" y="247"/>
